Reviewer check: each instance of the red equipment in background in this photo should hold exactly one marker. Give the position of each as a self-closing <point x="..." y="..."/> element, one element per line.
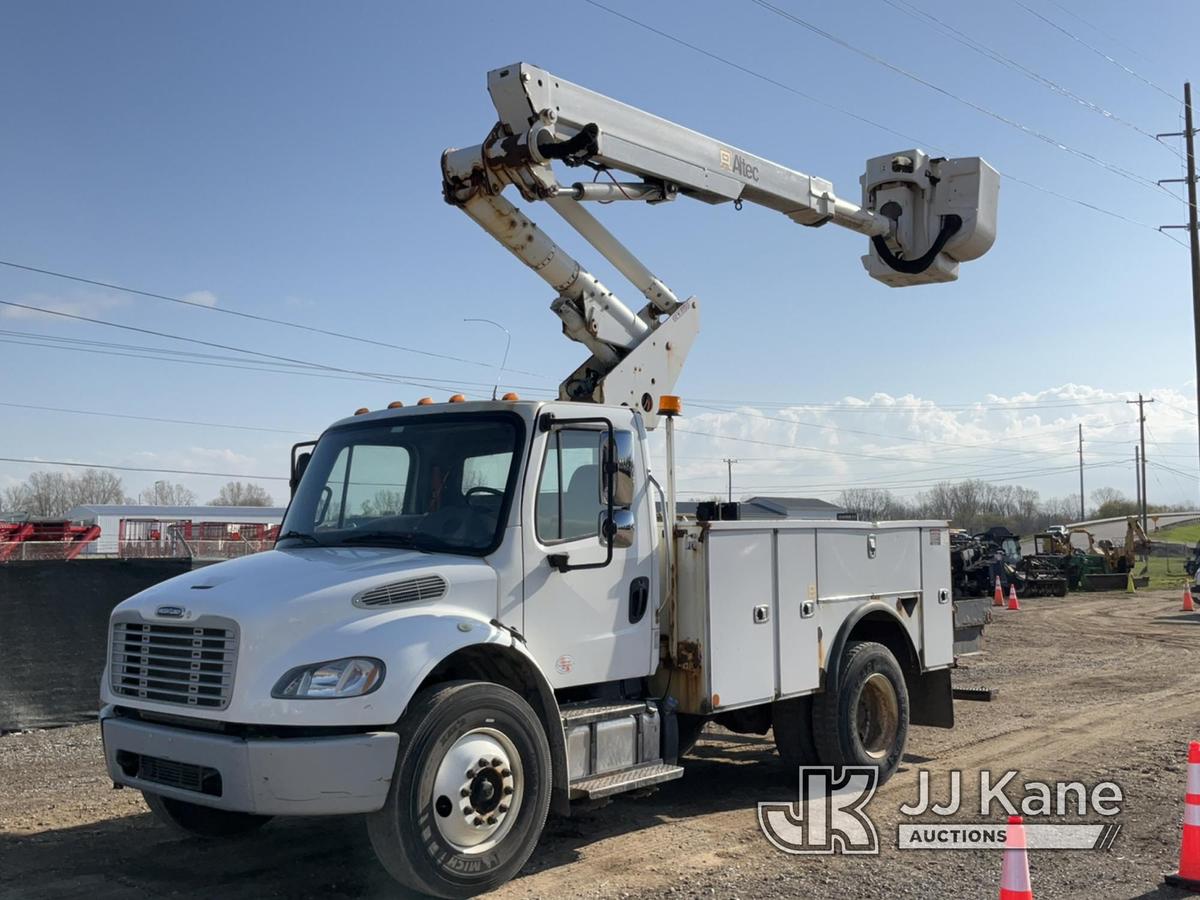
<point x="44" y="539"/>
<point x="143" y="538"/>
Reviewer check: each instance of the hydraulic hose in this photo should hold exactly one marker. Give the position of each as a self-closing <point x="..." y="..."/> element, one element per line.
<point x="950" y="227"/>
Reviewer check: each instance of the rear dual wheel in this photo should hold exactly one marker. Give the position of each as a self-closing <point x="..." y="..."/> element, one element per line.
<point x="864" y="722"/>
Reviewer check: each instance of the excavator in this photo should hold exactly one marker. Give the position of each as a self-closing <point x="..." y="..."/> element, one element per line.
<point x="1105" y="565"/>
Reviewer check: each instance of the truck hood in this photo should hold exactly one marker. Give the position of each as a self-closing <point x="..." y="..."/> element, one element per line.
<point x="294" y="607"/>
<point x="281" y="589"/>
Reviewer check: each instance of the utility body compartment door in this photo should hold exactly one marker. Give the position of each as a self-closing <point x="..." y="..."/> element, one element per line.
<point x="937" y="610"/>
<point x="741" y="603"/>
<point x="799" y="639"/>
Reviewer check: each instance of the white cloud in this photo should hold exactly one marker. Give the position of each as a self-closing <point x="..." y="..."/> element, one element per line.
<point x="204" y="298"/>
<point x="93" y="305"/>
<point x="907" y="443"/>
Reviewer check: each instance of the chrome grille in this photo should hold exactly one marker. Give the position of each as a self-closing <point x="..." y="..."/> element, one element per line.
<point x="428" y="587"/>
<point x="187" y="664"/>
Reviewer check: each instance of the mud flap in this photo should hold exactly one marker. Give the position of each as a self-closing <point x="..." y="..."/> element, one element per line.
<point x="930" y="698"/>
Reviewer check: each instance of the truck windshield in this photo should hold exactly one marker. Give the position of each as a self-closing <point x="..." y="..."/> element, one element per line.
<point x="433" y="482"/>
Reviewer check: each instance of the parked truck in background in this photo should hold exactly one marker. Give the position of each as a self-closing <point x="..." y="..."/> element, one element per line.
<point x="478" y="612"/>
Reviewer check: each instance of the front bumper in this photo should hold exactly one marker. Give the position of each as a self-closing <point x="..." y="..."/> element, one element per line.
<point x="267" y="776"/>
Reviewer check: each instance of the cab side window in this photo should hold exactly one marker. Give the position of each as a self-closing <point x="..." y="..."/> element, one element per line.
<point x="568" y="503"/>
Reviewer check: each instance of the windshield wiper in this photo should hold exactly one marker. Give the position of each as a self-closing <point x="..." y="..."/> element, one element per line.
<point x="408" y="540"/>
<point x="300" y="536"/>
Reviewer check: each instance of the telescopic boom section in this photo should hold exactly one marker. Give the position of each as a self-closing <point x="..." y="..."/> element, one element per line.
<point x="923" y="216"/>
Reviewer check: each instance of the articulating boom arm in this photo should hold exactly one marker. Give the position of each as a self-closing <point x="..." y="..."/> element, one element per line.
<point x="923" y="216"/>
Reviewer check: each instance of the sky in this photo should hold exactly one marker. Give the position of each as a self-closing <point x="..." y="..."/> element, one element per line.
<point x="281" y="160"/>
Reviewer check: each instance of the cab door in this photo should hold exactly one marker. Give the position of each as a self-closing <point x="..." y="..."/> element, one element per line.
<point x="587" y="617"/>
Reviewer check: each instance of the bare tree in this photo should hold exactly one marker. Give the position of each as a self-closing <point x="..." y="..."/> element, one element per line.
<point x="1109" y="503"/>
<point x="241" y="493"/>
<point x="870" y="504"/>
<point x="52" y="494"/>
<point x="163" y="493"/>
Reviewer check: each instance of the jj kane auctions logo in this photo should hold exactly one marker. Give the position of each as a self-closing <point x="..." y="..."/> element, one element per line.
<point x="830" y="814"/>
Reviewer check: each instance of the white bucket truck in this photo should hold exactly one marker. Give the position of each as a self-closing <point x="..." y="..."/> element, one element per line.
<point x="481" y="611"/>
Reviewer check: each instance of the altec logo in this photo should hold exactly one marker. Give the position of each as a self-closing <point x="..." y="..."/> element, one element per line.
<point x="738" y="165"/>
<point x="829" y="816"/>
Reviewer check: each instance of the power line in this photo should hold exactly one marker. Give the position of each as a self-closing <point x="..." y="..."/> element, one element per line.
<point x="999" y="117"/>
<point x="761" y="77"/>
<point x="1096" y="50"/>
<point x="916" y="406"/>
<point x="793" y="90"/>
<point x="837" y="487"/>
<point x="1098" y="30"/>
<point x="79" y="465"/>
<point x="113" y="415"/>
<point x="253" y="316"/>
<point x="215" y="344"/>
<point x="167" y="354"/>
<point x="996" y="56"/>
<point x="894" y="437"/>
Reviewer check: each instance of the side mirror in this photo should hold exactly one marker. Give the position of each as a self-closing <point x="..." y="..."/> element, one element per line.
<point x="299" y="463"/>
<point x="620" y="529"/>
<point x="618" y="470"/>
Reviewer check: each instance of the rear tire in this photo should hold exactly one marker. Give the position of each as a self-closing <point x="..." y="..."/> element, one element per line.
<point x="865" y="721"/>
<point x="792" y="724"/>
<point x="470" y="792"/>
<point x="194" y="820"/>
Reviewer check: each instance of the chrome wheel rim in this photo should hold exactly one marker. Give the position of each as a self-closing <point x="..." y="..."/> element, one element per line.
<point x="477" y="791"/>
<point x="877" y="717"/>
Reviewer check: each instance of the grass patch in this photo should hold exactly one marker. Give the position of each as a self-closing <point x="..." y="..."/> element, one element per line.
<point x="1165" y="572"/>
<point x="1178" y="534"/>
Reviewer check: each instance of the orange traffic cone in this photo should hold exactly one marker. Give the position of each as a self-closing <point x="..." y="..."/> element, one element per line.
<point x="1013" y="602"/>
<point x="998" y="596"/>
<point x="1188" y="604"/>
<point x="1188" y="876"/>
<point x="1014" y="871"/>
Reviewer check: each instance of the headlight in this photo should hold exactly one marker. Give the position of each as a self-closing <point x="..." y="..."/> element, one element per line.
<point x="350" y="677"/>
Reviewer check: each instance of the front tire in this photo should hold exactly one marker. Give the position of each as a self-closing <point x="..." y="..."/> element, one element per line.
<point x="865" y="721"/>
<point x="470" y="792"/>
<point x="194" y="820"/>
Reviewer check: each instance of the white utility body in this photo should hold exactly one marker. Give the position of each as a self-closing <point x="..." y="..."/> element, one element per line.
<point x="480" y="611"/>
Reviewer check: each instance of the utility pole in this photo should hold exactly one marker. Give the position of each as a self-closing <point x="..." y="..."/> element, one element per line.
<point x="1141" y="402"/>
<point x="1137" y="476"/>
<point x="1081" y="513"/>
<point x="729" y="467"/>
<point x="1189" y="135"/>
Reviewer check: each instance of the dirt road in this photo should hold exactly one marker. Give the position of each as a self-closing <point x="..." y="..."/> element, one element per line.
<point x="1091" y="688"/>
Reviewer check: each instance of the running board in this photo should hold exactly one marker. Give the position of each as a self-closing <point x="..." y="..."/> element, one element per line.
<point x="629" y="780"/>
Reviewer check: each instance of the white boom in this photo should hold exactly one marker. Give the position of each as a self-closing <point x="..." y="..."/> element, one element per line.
<point x="923" y="216"/>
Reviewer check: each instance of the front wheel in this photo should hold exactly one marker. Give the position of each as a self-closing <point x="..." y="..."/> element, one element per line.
<point x="865" y="721"/>
<point x="195" y="820"/>
<point x="470" y="792"/>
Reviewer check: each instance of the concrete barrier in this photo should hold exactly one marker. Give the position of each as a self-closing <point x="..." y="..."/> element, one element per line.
<point x="54" y="633"/>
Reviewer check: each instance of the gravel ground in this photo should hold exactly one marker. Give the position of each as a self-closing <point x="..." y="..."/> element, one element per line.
<point x="1091" y="688"/>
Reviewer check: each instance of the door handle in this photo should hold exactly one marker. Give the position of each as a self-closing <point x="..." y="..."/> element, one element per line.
<point x="639" y="598"/>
